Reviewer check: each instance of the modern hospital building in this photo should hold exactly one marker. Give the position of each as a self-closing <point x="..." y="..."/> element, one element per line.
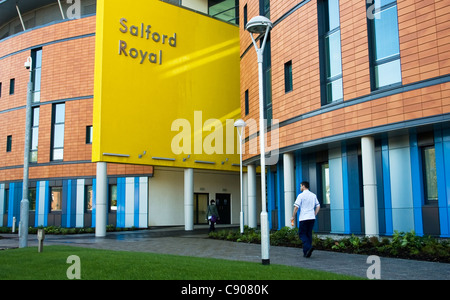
<point x="356" y="98"/>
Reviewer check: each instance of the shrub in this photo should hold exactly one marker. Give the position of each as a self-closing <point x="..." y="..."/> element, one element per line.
<point x="404" y="245"/>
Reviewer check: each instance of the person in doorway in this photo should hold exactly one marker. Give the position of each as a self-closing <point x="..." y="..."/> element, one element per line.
<point x="212" y="214"/>
<point x="309" y="208"/>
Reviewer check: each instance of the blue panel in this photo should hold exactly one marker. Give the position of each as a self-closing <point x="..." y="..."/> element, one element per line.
<point x="73" y="204"/>
<point x="94" y="201"/>
<point x="442" y="150"/>
<point x="298" y="175"/>
<point x="136" y="202"/>
<point x="345" y="190"/>
<point x="280" y="193"/>
<point x="64" y="204"/>
<point x="37" y="212"/>
<point x="380" y="195"/>
<point x="270" y="195"/>
<point x="387" y="186"/>
<point x="47" y="202"/>
<point x="354" y="190"/>
<point x="417" y="184"/>
<point x="336" y="193"/>
<point x="15" y="196"/>
<point x="121" y="184"/>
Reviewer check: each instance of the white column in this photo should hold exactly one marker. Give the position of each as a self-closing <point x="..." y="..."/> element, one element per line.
<point x="252" y="213"/>
<point x="189" y="199"/>
<point x="370" y="186"/>
<point x="101" y="200"/>
<point x="289" y="187"/>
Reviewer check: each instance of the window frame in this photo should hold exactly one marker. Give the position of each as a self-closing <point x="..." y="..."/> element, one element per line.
<point x="325" y="32"/>
<point x="375" y="63"/>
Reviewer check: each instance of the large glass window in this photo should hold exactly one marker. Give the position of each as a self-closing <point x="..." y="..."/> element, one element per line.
<point x="56" y="198"/>
<point x="88" y="196"/>
<point x="58" y="131"/>
<point x="225" y="10"/>
<point x="288" y="84"/>
<point x="429" y="174"/>
<point x="325" y="177"/>
<point x="385" y="47"/>
<point x="113" y="197"/>
<point x="330" y="51"/>
<point x="36" y="55"/>
<point x="34" y="135"/>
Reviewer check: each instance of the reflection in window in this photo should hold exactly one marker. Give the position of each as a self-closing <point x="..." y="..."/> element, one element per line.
<point x="385" y="47"/>
<point x="113" y="197"/>
<point x="330" y="49"/>
<point x="58" y="131"/>
<point x="88" y="196"/>
<point x="56" y="197"/>
<point x="34" y="135"/>
<point x="429" y="174"/>
<point x="325" y="175"/>
<point x="36" y="54"/>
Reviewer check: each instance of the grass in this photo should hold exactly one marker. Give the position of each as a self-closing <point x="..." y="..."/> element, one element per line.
<point x="27" y="264"/>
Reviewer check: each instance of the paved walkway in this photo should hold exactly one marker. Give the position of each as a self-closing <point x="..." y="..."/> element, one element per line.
<point x="176" y="241"/>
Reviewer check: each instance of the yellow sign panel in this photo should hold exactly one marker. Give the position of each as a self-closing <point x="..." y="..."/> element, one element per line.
<point x="166" y="87"/>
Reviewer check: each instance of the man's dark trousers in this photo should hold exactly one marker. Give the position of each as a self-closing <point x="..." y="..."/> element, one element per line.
<point x="305" y="234"/>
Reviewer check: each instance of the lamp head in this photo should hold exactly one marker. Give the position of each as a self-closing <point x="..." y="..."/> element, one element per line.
<point x="258" y="25"/>
<point x="239" y="123"/>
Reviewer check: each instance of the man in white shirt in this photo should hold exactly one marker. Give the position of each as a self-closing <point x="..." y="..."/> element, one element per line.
<point x="309" y="207"/>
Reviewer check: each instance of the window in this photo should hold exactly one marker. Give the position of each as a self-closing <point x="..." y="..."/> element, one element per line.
<point x="56" y="197"/>
<point x="325" y="184"/>
<point x="264" y="8"/>
<point x="34" y="134"/>
<point x="0" y="89"/>
<point x="384" y="46"/>
<point x="36" y="55"/>
<point x="247" y="108"/>
<point x="12" y="83"/>
<point x="9" y="143"/>
<point x="225" y="10"/>
<point x="267" y="78"/>
<point x="330" y="51"/>
<point x="32" y="198"/>
<point x="57" y="151"/>
<point x="429" y="174"/>
<point x="89" y="132"/>
<point x="245" y="15"/>
<point x="113" y="197"/>
<point x="288" y="76"/>
<point x="88" y="196"/>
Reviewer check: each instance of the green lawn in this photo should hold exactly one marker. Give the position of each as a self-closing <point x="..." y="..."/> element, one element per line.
<point x="51" y="264"/>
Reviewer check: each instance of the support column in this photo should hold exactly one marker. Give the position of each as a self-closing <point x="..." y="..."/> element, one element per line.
<point x="252" y="214"/>
<point x="189" y="199"/>
<point x="289" y="188"/>
<point x="101" y="200"/>
<point x="370" y="186"/>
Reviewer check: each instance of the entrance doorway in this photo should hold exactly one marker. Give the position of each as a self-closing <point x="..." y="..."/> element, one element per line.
<point x="200" y="207"/>
<point x="223" y="202"/>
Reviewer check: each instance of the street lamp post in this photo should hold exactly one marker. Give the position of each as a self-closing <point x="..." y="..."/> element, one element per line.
<point x="25" y="204"/>
<point x="240" y="124"/>
<point x="262" y="25"/>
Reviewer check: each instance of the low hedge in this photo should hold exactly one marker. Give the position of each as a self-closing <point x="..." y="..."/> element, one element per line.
<point x="401" y="245"/>
<point x="63" y="231"/>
